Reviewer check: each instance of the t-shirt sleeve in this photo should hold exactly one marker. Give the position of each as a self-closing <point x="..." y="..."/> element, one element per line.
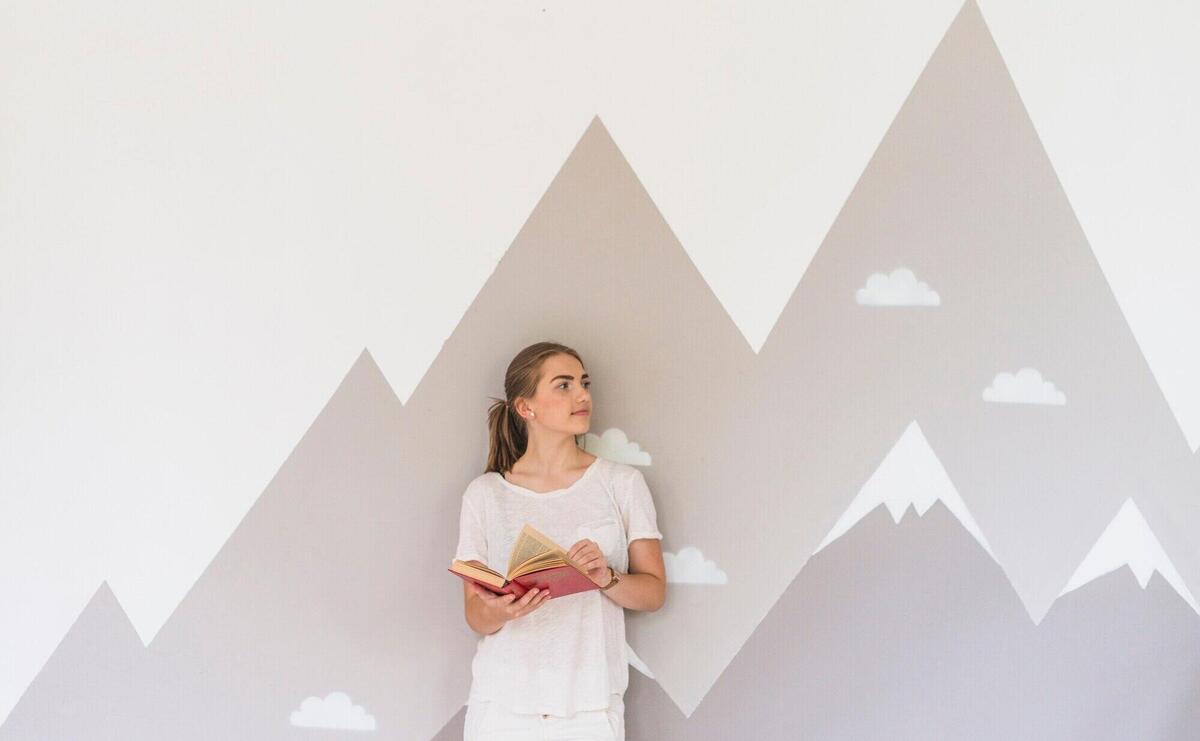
<point x="472" y="537"/>
<point x="641" y="520"/>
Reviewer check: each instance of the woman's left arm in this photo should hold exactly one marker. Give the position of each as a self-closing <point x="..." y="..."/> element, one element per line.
<point x="645" y="586"/>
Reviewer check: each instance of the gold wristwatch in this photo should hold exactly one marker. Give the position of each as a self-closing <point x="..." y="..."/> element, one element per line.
<point x="611" y="581"/>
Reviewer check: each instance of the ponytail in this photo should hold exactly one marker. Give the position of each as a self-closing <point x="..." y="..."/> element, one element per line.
<point x="507" y="432"/>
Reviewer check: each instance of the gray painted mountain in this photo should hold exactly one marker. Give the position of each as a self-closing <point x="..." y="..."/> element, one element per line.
<point x="961" y="193"/>
<point x="312" y="592"/>
<point x="335" y="580"/>
<point x="315" y="592"/>
<point x="100" y="684"/>
<point x="911" y="631"/>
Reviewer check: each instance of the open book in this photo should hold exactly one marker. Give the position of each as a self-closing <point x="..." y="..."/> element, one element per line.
<point x="536" y="561"/>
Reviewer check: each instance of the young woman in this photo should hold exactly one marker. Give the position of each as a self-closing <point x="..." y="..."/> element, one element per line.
<point x="554" y="668"/>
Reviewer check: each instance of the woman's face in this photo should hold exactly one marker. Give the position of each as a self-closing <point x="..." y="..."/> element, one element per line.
<point x="563" y="401"/>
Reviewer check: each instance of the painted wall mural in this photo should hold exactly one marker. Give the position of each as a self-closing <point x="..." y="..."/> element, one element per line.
<point x="947" y="499"/>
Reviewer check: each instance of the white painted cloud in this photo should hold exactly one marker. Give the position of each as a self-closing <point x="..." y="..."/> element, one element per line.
<point x="1024" y="387"/>
<point x="691" y="567"/>
<point x="333" y="711"/>
<point x="615" y="445"/>
<point x="911" y="473"/>
<point x="1129" y="541"/>
<point x="899" y="288"/>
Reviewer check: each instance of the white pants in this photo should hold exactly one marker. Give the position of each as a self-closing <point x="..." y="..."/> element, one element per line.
<point x="491" y="721"/>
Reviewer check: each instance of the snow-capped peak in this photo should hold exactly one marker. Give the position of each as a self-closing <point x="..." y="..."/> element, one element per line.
<point x="1128" y="540"/>
<point x="910" y="474"/>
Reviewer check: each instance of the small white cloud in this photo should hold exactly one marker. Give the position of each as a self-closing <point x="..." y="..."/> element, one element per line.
<point x="615" y="445"/>
<point x="333" y="711"/>
<point x="900" y="288"/>
<point x="1024" y="387"/>
<point x="636" y="662"/>
<point x="691" y="567"/>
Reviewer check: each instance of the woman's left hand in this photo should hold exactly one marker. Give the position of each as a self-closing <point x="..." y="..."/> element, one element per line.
<point x="587" y="554"/>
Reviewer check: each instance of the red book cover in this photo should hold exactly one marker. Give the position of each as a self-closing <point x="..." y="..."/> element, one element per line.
<point x="560" y="580"/>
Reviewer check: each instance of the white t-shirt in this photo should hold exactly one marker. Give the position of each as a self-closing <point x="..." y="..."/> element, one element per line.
<point x="569" y="653"/>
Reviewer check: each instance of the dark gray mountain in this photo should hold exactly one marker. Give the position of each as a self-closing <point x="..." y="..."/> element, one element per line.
<point x="911" y="631"/>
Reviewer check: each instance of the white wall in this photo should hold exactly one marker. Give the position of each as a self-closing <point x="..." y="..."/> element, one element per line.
<point x="208" y="210"/>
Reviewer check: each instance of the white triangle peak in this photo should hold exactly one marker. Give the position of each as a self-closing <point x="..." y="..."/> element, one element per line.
<point x="636" y="662"/>
<point x="910" y="474"/>
<point x="1129" y="541"/>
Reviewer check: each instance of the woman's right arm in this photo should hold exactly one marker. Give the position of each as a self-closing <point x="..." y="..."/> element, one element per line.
<point x="487" y="612"/>
<point x="479" y="616"/>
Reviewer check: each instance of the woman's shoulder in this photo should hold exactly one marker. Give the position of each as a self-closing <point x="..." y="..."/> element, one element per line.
<point x="481" y="479"/>
<point x="621" y="476"/>
<point x="481" y="485"/>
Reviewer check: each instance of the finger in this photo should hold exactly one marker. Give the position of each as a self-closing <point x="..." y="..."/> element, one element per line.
<point x="528" y="597"/>
<point x="536" y="603"/>
<point x="584" y="551"/>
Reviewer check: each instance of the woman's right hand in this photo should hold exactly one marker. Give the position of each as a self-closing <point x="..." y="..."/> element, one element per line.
<point x="506" y="607"/>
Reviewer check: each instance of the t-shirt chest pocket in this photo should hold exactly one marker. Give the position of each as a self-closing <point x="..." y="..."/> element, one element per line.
<point x="606" y="532"/>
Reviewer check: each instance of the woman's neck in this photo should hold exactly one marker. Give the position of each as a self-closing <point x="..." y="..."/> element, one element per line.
<point x="552" y="458"/>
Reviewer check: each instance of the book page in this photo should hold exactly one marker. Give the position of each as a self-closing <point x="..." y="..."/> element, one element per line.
<point x="532" y="546"/>
<point x="483" y="573"/>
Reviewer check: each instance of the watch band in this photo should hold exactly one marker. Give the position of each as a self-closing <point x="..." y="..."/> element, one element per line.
<point x="613" y="580"/>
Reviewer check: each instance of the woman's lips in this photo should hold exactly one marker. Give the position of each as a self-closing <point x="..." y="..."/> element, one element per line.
<point x="581" y="411"/>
